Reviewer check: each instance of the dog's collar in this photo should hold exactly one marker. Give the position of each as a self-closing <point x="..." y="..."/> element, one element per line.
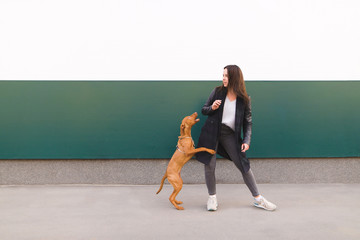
<point x="180" y="138"/>
<point x="177" y="147"/>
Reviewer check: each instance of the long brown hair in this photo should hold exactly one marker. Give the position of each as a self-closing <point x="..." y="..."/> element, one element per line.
<point x="236" y="82"/>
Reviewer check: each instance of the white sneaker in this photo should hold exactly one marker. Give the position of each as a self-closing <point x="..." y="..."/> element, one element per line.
<point x="265" y="204"/>
<point x="212" y="204"/>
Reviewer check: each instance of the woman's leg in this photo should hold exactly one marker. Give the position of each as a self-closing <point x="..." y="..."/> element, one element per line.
<point x="210" y="175"/>
<point x="249" y="180"/>
<point x="227" y="139"/>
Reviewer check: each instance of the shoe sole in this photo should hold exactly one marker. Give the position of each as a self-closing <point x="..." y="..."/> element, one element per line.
<point x="212" y="210"/>
<point x="267" y="209"/>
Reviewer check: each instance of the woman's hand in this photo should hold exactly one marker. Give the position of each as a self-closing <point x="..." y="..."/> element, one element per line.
<point x="216" y="104"/>
<point x="244" y="147"/>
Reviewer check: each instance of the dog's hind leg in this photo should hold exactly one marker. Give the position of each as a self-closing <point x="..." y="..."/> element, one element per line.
<point x="178" y="202"/>
<point x="177" y="188"/>
<point x="181" y="184"/>
<point x="174" y="202"/>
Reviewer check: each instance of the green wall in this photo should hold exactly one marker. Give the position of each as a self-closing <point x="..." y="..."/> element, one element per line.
<point x="141" y="119"/>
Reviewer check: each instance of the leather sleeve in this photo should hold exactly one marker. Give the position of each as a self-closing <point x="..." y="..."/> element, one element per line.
<point x="247" y="125"/>
<point x="206" y="109"/>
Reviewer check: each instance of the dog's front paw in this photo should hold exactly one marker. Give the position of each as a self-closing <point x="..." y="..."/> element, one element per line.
<point x="212" y="152"/>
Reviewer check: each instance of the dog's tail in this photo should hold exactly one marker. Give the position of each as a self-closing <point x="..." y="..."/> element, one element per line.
<point x="162" y="183"/>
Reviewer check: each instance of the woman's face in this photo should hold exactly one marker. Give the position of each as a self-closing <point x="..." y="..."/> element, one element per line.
<point x="225" y="77"/>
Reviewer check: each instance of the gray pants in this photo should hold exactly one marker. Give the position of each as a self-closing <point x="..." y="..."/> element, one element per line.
<point x="227" y="140"/>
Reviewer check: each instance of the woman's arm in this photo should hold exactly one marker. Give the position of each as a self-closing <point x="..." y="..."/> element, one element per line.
<point x="247" y="123"/>
<point x="207" y="108"/>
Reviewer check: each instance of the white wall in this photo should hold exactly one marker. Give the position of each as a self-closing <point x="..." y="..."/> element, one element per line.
<point x="179" y="40"/>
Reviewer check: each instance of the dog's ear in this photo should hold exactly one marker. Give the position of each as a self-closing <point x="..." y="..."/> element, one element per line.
<point x="182" y="127"/>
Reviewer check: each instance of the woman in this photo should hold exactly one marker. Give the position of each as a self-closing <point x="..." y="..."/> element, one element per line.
<point x="229" y="110"/>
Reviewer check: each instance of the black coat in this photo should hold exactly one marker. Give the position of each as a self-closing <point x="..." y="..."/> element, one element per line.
<point x="210" y="132"/>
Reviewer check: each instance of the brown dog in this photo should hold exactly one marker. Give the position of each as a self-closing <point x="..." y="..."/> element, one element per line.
<point x="185" y="150"/>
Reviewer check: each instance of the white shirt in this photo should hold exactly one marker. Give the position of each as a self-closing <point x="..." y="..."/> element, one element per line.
<point x="228" y="117"/>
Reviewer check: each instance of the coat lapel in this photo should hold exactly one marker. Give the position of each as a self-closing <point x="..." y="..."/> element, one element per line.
<point x="221" y="108"/>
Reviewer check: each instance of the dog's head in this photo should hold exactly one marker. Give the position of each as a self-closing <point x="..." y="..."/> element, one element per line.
<point x="189" y="121"/>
